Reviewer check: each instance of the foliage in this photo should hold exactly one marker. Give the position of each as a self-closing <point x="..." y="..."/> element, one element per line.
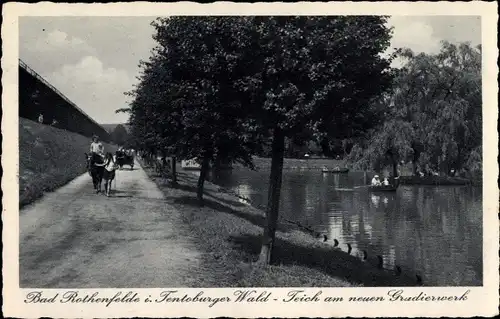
<point x="304" y="70"/>
<point x="119" y="135"/>
<point x="186" y="103"/>
<point x="217" y="87"/>
<point x="309" y="78"/>
<point x="434" y="115"/>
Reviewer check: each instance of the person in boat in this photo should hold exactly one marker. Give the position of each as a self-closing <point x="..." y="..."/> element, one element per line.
<point x="96" y="147"/>
<point x="376" y="181"/>
<point x="385" y="182"/>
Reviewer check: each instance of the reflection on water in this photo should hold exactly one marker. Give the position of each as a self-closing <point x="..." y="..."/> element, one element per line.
<point x="434" y="231"/>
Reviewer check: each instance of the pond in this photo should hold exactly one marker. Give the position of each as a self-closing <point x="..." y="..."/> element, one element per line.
<point x="435" y="232"/>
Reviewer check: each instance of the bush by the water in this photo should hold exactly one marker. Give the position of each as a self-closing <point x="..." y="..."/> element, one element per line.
<point x="48" y="158"/>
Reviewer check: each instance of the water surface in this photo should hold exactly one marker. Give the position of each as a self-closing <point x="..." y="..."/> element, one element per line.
<point x="435" y="232"/>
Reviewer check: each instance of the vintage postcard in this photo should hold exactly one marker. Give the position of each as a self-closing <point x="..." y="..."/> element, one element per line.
<point x="250" y="160"/>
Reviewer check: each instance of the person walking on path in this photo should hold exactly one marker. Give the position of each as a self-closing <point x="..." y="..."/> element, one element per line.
<point x="108" y="176"/>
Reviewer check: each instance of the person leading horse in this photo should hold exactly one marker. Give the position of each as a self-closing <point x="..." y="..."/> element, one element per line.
<point x="109" y="166"/>
<point x="95" y="161"/>
<point x="96" y="169"/>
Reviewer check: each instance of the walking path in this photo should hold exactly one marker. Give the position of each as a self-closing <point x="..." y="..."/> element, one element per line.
<point x="75" y="238"/>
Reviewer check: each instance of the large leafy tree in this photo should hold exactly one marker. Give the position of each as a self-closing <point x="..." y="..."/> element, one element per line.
<point x="188" y="89"/>
<point x="215" y="87"/>
<point x="119" y="135"/>
<point x="318" y="74"/>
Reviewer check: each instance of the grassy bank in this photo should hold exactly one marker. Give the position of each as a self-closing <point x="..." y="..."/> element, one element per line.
<point x="228" y="232"/>
<point x="48" y="158"/>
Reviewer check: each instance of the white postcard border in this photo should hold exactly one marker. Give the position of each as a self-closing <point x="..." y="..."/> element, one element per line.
<point x="481" y="301"/>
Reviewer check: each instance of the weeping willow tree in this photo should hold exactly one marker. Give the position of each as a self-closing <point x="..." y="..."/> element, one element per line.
<point x="434" y="115"/>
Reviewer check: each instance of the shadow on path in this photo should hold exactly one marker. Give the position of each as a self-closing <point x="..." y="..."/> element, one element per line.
<point x="226" y="201"/>
<point x="121" y="196"/>
<point x="257" y="220"/>
<point x="193" y="189"/>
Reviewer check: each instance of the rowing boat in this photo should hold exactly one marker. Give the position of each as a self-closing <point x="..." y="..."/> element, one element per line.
<point x="382" y="188"/>
<point x="344" y="189"/>
<point x="335" y="171"/>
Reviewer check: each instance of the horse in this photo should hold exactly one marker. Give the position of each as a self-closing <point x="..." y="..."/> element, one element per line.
<point x="96" y="172"/>
<point x="109" y="175"/>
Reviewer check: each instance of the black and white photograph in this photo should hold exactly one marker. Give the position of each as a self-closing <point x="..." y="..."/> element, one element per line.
<point x="240" y="151"/>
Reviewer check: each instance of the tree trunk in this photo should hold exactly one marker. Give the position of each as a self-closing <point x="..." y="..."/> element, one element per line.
<point x="174" y="170"/>
<point x="395" y="177"/>
<point x="415" y="164"/>
<point x="201" y="180"/>
<point x="395" y="169"/>
<point x="416" y="157"/>
<point x="394" y="161"/>
<point x="273" y="197"/>
<point x="394" y="166"/>
<point x="325" y="147"/>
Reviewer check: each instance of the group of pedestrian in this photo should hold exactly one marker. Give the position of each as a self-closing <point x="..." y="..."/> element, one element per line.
<point x="40" y="120"/>
<point x="127" y="152"/>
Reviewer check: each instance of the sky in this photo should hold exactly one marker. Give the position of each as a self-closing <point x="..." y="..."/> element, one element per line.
<point x="94" y="60"/>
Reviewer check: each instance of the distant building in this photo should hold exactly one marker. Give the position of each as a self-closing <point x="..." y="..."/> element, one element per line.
<point x="41" y="102"/>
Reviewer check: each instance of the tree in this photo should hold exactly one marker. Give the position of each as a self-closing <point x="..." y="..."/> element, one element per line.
<point x="188" y="96"/>
<point x="217" y="87"/>
<point x="119" y="135"/>
<point x="433" y="115"/>
<point x="148" y="128"/>
<point x="390" y="145"/>
<point x="318" y="73"/>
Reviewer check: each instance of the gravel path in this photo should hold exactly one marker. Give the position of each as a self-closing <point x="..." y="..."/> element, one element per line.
<point x="74" y="238"/>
